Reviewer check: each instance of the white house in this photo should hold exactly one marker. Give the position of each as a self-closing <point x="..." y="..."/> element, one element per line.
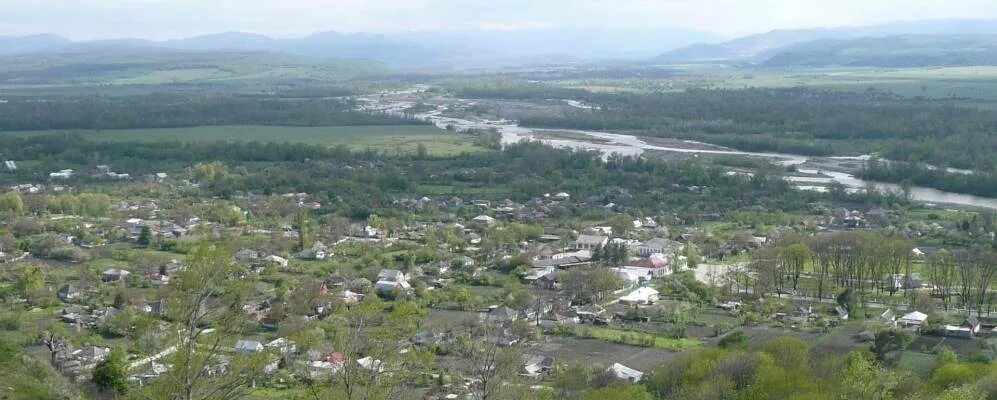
<point x="392" y="275"/>
<point x="913" y="320"/>
<point x="562" y="196"/>
<point x="63" y="174"/>
<point x="589" y="242"/>
<point x="643" y="295"/>
<point x="248" y="346"/>
<point x="624" y="372"/>
<point x="390" y="286"/>
<point x="484" y="219"/>
<point x="657" y="246"/>
<point x="114" y="275"/>
<point x="276" y="260"/>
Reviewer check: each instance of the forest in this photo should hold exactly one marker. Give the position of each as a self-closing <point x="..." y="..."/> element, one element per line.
<point x="977" y="183"/>
<point x="798" y="120"/>
<point x="180" y="110"/>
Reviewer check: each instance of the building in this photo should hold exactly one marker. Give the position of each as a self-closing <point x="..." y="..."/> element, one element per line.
<point x="589" y="242"/>
<point x="114" y="275"/>
<point x="68" y="292"/>
<point x="248" y="346"/>
<point x="967" y="329"/>
<point x="897" y="282"/>
<point x="658" y="246"/>
<point x="392" y="275"/>
<point x="621" y="371"/>
<point x="912" y="320"/>
<point x="484" y="219"/>
<point x="502" y="314"/>
<point x="644" y="295"/>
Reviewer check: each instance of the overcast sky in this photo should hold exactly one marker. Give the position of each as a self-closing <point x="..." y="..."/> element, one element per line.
<point x="160" y="19"/>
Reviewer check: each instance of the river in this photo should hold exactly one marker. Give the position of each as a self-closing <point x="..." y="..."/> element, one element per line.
<point x="609" y="143"/>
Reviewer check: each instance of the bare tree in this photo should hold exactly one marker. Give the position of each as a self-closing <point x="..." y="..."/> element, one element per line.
<point x="487" y="364"/>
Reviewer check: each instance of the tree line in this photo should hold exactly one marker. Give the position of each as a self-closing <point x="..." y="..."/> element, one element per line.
<point x="180" y="110"/>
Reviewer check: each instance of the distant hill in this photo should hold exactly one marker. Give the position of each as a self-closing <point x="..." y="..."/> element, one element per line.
<point x="760" y="47"/>
<point x="115" y="64"/>
<point x="32" y="44"/>
<point x="464" y="48"/>
<point x="891" y="51"/>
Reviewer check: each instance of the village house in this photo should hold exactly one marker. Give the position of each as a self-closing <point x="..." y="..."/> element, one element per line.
<point x="967" y="329"/>
<point x="502" y="314"/>
<point x="896" y="282"/>
<point x="589" y="242"/>
<point x="275" y="260"/>
<point x="536" y="365"/>
<point x="888" y="318"/>
<point x="912" y="321"/>
<point x="426" y="337"/>
<point x="655" y="266"/>
<point x="247" y="255"/>
<point x="624" y="372"/>
<point x="114" y="275"/>
<point x="644" y="295"/>
<point x="317" y="251"/>
<point x="658" y="246"/>
<point x="68" y="292"/>
<point x="484" y="219"/>
<point x="248" y="346"/>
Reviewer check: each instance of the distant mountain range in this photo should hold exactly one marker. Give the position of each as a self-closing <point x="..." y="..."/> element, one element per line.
<point x="891" y="51"/>
<point x="917" y="43"/>
<point x="419" y="49"/>
<point x="940" y="42"/>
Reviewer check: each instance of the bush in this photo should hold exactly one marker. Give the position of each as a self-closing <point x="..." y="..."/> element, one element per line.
<point x="733" y="340"/>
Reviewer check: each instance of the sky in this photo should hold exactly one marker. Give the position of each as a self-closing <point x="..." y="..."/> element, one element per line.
<point x="165" y="19"/>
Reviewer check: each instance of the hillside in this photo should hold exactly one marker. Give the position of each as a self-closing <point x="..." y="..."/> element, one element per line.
<point x="759" y="47"/>
<point x="891" y="51"/>
<point x="116" y="66"/>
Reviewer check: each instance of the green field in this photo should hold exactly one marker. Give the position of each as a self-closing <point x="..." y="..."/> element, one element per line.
<point x="616" y="336"/>
<point x="977" y="83"/>
<point x="391" y="138"/>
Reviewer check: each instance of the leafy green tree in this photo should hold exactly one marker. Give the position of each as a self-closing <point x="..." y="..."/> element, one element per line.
<point x="112" y="373"/>
<point x="692" y="256"/>
<point x="620" y="391"/>
<point x="862" y="379"/>
<point x="11" y="204"/>
<point x="144" y="237"/>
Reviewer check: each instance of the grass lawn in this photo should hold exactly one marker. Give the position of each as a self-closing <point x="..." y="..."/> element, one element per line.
<point x="614" y="335"/>
<point x="920" y="363"/>
<point x="390" y="138"/>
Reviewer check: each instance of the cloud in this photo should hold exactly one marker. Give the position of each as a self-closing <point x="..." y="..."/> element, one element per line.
<point x="89" y="19"/>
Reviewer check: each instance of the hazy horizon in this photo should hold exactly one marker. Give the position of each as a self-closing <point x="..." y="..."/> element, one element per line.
<point x="174" y="19"/>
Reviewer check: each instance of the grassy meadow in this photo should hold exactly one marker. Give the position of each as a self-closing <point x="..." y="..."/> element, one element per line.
<point x="402" y="138"/>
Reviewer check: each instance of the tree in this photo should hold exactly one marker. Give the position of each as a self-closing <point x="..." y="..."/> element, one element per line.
<point x="144" y="237"/>
<point x="11" y="204"/>
<point x="205" y="306"/>
<point x="691" y="255"/>
<point x="795" y="257"/>
<point x="590" y="283"/>
<point x="421" y="151"/>
<point x="112" y="373"/>
<point x="862" y="379"/>
<point x="889" y="340"/>
<point x="621" y="224"/>
<point x="489" y="365"/>
<point x="30" y="281"/>
<point x="304" y="239"/>
<point x="619" y="391"/>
